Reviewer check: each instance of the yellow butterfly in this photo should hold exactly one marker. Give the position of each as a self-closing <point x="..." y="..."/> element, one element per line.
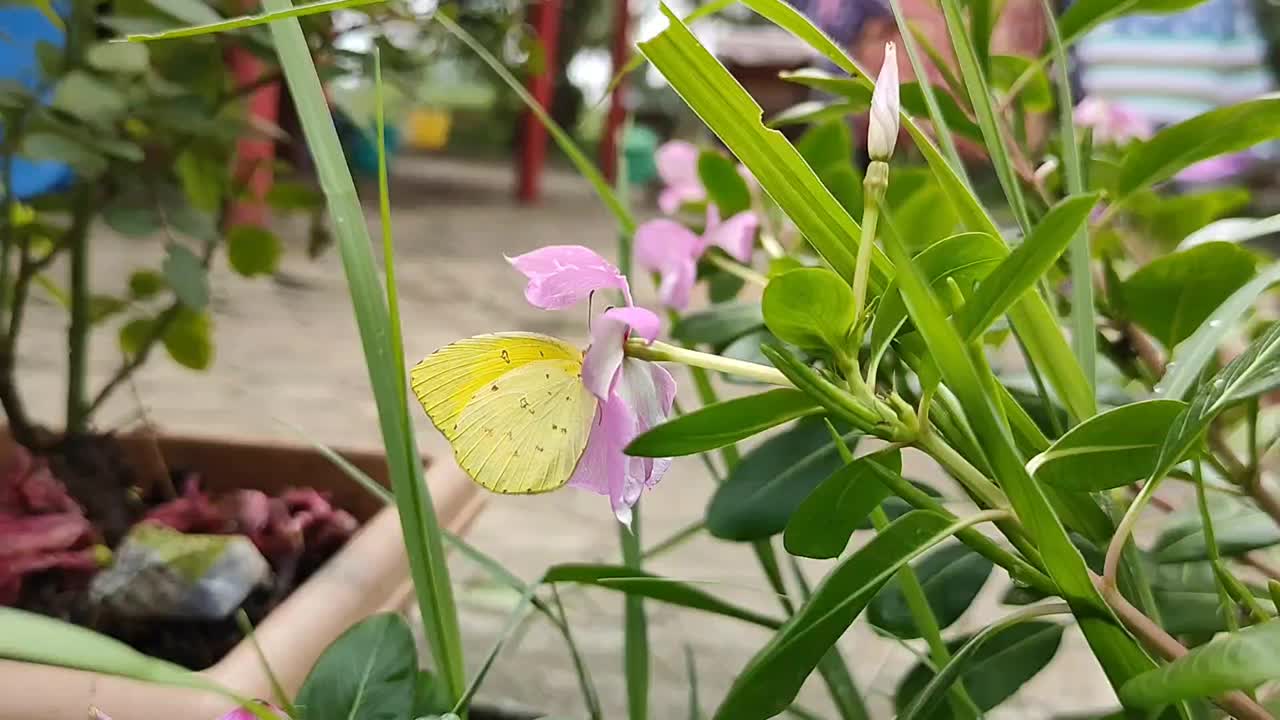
<point x="513" y="407"/>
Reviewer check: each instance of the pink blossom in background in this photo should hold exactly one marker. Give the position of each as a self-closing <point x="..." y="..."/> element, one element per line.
<point x="672" y="250"/>
<point x="633" y="395"/>
<point x="677" y="163"/>
<point x="1216" y="169"/>
<point x="1112" y="123"/>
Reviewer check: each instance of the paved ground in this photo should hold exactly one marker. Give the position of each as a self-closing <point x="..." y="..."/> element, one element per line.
<point x="287" y="350"/>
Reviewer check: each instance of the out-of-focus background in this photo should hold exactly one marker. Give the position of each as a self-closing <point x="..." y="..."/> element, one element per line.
<point x="473" y="178"/>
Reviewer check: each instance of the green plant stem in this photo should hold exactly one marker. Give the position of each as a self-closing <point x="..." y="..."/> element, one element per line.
<point x="636" y="659"/>
<point x="659" y="351"/>
<point x="80" y="325"/>
<point x="735" y="268"/>
<point x="675" y="540"/>
<point x="417" y="516"/>
<point x="1211" y="546"/>
<point x="862" y="265"/>
<point x="917" y="603"/>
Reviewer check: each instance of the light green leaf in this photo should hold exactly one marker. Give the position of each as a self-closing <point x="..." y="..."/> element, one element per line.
<point x="1217" y="132"/>
<point x="845" y="183"/>
<point x="1108" y="450"/>
<point x="772" y="679"/>
<point x="1171" y="296"/>
<point x="286" y="195"/>
<point x="144" y="284"/>
<point x="1036" y="95"/>
<point x="1236" y="661"/>
<point x="1019" y="272"/>
<point x="369" y="672"/>
<point x="734" y="116"/>
<point x="811" y="308"/>
<point x="830" y="143"/>
<point x="816" y="112"/>
<point x="638" y="582"/>
<point x="134" y="334"/>
<point x="1083" y="15"/>
<point x="822" y="524"/>
<point x="202" y="179"/>
<point x="187" y="276"/>
<point x="757" y="499"/>
<point x="253" y="250"/>
<point x="951" y="577"/>
<point x="1233" y="230"/>
<point x="993" y="664"/>
<point x="1190" y="357"/>
<point x="714" y="426"/>
<point x="718" y="325"/>
<point x="191" y="12"/>
<point x="86" y="97"/>
<point x="189" y="339"/>
<point x="59" y="148"/>
<point x="725" y="187"/>
<point x="123" y="58"/>
<point x="1189" y="600"/>
<point x="1237" y="528"/>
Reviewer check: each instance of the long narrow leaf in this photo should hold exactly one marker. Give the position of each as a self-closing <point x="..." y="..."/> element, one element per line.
<point x="1019" y="273"/>
<point x="1237" y="661"/>
<point x="417" y="516"/>
<point x="941" y="123"/>
<point x="325" y="6"/>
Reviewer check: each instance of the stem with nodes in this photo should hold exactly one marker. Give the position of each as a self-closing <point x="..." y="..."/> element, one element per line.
<point x="658" y="351"/>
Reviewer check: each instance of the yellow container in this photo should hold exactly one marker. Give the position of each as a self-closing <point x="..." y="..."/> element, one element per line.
<point x="428" y="129"/>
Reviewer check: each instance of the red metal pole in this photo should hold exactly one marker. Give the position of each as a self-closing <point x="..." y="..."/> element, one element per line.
<point x="617" y="105"/>
<point x="544" y="15"/>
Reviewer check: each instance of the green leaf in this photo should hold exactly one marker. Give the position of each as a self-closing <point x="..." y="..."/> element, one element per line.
<point x="253" y="250"/>
<point x="1083" y="15"/>
<point x="925" y="216"/>
<point x="1217" y="132"/>
<point x="720" y="424"/>
<point x="811" y="308"/>
<point x="725" y="187"/>
<point x="1171" y="296"/>
<point x="951" y="577"/>
<point x="202" y="179"/>
<point x="86" y="97"/>
<point x="187" y="276"/>
<point x="294" y="196"/>
<point x="190" y="12"/>
<point x="123" y="58"/>
<point x="992" y="665"/>
<point x="718" y="325"/>
<point x="1240" y="660"/>
<point x="144" y="284"/>
<point x="131" y="220"/>
<point x="1189" y="601"/>
<point x="370" y="672"/>
<point x="826" y="144"/>
<point x="1191" y="357"/>
<point x="772" y="679"/>
<point x="134" y="334"/>
<point x="189" y="339"/>
<point x="638" y="582"/>
<point x="103" y="307"/>
<point x="1036" y="95"/>
<point x="429" y="696"/>
<point x="761" y="492"/>
<point x="858" y="95"/>
<point x="1169" y="220"/>
<point x="822" y="524"/>
<point x="815" y="112"/>
<point x="34" y="638"/>
<point x="845" y="183"/>
<point x="59" y="148"/>
<point x="1238" y="528"/>
<point x="1019" y="272"/>
<point x="734" y="116"/>
<point x="1109" y="450"/>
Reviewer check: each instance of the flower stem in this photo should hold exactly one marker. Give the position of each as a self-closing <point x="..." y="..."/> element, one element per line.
<point x="735" y="268"/>
<point x="874" y="186"/>
<point x="662" y="352"/>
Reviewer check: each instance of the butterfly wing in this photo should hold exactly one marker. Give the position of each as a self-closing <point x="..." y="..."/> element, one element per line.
<point x="513" y="407"/>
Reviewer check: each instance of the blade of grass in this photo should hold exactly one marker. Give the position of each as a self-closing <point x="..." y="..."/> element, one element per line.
<point x="245" y="21"/>
<point x="513" y="621"/>
<point x="975" y="81"/>
<point x="277" y="690"/>
<point x="589" y="695"/>
<point x="1083" y="335"/>
<point x="385" y="362"/>
<point x="626" y="222"/>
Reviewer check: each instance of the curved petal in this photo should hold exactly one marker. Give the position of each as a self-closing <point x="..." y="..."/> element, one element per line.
<point x="603" y="360"/>
<point x="602" y="468"/>
<point x="662" y="243"/>
<point x="736" y="236"/>
<point x="562" y="275"/>
<point x="677" y="163"/>
<point x="677" y="284"/>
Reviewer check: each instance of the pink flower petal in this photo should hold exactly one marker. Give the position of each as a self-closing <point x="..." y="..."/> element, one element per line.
<point x="671" y="250"/>
<point x="677" y="163"/>
<point x="244" y="714"/>
<point x="562" y="275"/>
<point x="736" y="236"/>
<point x="603" y="360"/>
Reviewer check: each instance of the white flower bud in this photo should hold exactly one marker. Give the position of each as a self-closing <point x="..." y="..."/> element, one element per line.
<point x="882" y="134"/>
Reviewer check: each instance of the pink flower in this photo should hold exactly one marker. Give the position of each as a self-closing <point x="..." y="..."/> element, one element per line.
<point x="677" y="162"/>
<point x="241" y="713"/>
<point x="1112" y="123"/>
<point x="633" y="395"/>
<point x="1216" y="169"/>
<point x="670" y="249"/>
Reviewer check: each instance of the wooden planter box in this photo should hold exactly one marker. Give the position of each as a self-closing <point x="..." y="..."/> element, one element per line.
<point x="369" y="574"/>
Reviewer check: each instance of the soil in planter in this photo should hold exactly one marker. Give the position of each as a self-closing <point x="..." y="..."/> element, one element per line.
<point x="94" y="472"/>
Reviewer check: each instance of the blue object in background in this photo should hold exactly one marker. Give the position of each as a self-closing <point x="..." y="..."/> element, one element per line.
<point x="23" y="27"/>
